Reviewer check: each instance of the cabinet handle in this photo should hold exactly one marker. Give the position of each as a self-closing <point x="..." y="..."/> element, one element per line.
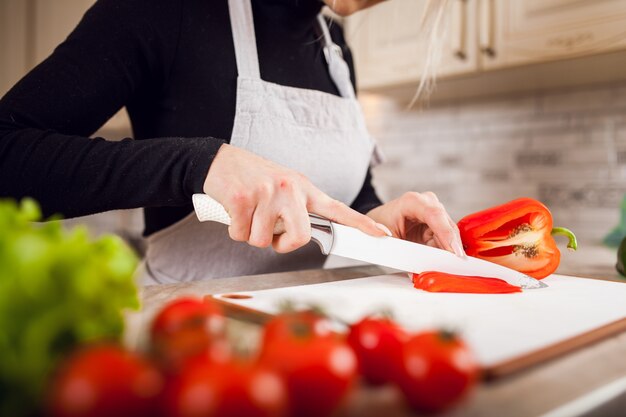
<point x="486" y="27"/>
<point x="459" y="28"/>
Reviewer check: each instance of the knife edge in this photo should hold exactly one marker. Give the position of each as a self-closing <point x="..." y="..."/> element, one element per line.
<point x="414" y="257"/>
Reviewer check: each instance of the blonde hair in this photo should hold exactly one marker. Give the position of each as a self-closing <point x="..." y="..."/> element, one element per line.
<point x="435" y="24"/>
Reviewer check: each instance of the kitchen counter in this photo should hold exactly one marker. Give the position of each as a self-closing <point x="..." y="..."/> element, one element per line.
<point x="593" y="261"/>
<point x="536" y="391"/>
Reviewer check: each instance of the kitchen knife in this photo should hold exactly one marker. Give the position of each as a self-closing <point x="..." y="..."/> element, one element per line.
<point x="348" y="242"/>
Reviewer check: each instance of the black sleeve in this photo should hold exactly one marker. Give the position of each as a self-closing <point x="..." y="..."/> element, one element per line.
<point x="45" y="119"/>
<point x="367" y="198"/>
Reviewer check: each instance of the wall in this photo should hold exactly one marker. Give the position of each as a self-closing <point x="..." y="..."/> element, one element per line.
<point x="566" y="148"/>
<point x="29" y="31"/>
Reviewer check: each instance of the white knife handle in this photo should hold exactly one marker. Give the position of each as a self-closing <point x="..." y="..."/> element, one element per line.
<point x="209" y="210"/>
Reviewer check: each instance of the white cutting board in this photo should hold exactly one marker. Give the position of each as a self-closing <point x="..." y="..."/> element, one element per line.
<point x="498" y="327"/>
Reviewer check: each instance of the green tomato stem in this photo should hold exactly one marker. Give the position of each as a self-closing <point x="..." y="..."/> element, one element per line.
<point x="562" y="231"/>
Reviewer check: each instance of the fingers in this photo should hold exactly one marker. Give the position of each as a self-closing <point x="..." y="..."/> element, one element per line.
<point x="457" y="243"/>
<point x="281" y="221"/>
<point x="426" y="208"/>
<point x="241" y="211"/>
<point x="297" y="230"/>
<point x="429" y="238"/>
<point x="257" y="193"/>
<point x="262" y="229"/>
<point x="437" y="220"/>
<point x="433" y="243"/>
<point x="338" y="212"/>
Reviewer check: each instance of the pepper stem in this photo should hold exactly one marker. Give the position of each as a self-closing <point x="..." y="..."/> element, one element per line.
<point x="562" y="231"/>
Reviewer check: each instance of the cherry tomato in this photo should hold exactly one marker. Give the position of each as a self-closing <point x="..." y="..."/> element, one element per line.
<point x="185" y="328"/>
<point x="318" y="366"/>
<point x="288" y="324"/>
<point x="205" y="388"/>
<point x="438" y="370"/>
<point x="103" y="381"/>
<point x="377" y="343"/>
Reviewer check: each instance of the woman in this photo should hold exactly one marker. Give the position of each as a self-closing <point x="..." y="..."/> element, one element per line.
<point x="249" y="101"/>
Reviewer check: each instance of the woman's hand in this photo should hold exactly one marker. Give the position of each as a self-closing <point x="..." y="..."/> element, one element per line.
<point x="421" y="218"/>
<point x="256" y="193"/>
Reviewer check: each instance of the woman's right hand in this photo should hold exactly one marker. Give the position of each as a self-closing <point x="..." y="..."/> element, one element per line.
<point x="257" y="192"/>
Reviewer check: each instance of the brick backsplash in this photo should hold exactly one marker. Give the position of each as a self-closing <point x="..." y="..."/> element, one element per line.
<point x="566" y="148"/>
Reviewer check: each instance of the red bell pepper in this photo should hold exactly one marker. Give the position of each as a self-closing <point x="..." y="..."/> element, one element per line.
<point x="517" y="234"/>
<point x="434" y="281"/>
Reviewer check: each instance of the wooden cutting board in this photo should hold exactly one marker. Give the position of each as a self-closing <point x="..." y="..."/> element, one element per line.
<point x="507" y="332"/>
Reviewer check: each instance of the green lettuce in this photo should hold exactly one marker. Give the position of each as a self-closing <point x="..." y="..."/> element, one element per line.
<point x="58" y="289"/>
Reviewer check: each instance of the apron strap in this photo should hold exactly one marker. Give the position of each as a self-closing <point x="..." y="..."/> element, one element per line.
<point x="337" y="66"/>
<point x="244" y="39"/>
<point x="340" y="74"/>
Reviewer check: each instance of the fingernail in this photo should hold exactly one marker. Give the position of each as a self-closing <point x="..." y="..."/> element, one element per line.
<point x="384" y="229"/>
<point x="458" y="249"/>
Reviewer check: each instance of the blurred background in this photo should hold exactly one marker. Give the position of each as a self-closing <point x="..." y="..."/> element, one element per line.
<point x="530" y="101"/>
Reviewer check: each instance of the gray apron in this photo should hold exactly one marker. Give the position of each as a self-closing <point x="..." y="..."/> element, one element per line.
<point x="321" y="135"/>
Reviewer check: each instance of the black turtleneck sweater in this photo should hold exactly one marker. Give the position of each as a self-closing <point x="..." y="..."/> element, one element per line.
<point x="172" y="64"/>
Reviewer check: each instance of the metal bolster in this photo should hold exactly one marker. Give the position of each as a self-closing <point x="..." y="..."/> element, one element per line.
<point x="322" y="233"/>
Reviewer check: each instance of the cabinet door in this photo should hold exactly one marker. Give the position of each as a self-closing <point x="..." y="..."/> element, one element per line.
<point x="514" y="32"/>
<point x="53" y="22"/>
<point x="389" y="47"/>
<point x="13" y="42"/>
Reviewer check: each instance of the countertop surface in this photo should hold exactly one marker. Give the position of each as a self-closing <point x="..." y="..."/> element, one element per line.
<point x="533" y="392"/>
<point x="590" y="261"/>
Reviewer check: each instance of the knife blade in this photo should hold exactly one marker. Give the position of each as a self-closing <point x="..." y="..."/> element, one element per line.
<point x="413" y="257"/>
<point x="348" y="242"/>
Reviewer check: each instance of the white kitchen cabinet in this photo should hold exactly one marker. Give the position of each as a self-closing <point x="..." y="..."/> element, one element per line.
<point x="29" y="32"/>
<point x="569" y="43"/>
<point x="516" y="32"/>
<point x="14" y="57"/>
<point x="53" y="21"/>
<point x="389" y="47"/>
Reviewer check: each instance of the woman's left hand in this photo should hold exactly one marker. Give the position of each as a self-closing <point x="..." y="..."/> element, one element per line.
<point x="420" y="218"/>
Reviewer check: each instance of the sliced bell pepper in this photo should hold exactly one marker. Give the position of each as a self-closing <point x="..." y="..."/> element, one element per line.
<point x="518" y="235"/>
<point x="434" y="281"/>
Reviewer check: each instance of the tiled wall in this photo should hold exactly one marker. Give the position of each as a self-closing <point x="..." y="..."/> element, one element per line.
<point x="568" y="149"/>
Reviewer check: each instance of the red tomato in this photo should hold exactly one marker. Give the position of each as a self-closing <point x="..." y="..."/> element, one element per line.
<point x="438" y="370"/>
<point x="105" y="381"/>
<point x="185" y="328"/>
<point x="205" y="388"/>
<point x="377" y="343"/>
<point x="285" y="325"/>
<point x="318" y="366"/>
